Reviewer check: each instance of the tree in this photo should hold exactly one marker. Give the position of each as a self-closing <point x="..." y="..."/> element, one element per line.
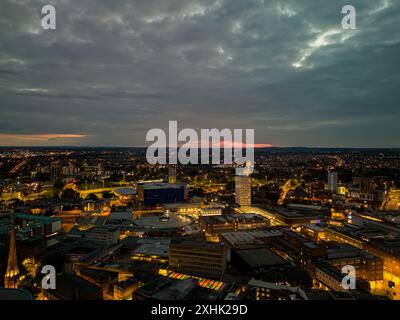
<point x="92" y="197"/>
<point x="69" y="194"/>
<point x="58" y="185"/>
<point x="107" y="195"/>
<point x="17" y="202"/>
<point x="198" y="192"/>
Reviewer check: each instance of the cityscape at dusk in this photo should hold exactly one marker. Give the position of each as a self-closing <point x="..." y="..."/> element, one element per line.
<point x="125" y="175"/>
<point x="116" y="228"/>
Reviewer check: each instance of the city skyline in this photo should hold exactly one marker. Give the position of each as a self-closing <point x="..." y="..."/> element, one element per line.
<point x="104" y="224"/>
<point x="112" y="71"/>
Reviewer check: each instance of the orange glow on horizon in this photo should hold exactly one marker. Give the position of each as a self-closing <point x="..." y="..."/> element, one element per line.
<point x="233" y="144"/>
<point x="38" y="137"/>
<point x="221" y="144"/>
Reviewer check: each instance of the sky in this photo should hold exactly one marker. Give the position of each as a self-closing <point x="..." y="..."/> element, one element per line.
<point x="112" y="70"/>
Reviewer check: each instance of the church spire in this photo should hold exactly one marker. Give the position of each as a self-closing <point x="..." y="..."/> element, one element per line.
<point x="10" y="279"/>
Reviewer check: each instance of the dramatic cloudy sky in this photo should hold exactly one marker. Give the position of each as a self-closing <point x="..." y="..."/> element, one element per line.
<point x="114" y="69"/>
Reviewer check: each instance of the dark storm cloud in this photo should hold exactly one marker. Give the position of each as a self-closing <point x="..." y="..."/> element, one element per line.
<point x="114" y="69"/>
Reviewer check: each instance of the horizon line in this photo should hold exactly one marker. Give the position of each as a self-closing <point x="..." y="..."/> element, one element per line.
<point x="146" y="147"/>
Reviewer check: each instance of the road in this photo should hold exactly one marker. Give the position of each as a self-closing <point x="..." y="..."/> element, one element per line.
<point x="18" y="167"/>
<point x="285" y="190"/>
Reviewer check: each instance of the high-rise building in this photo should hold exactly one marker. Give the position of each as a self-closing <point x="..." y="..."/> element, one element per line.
<point x="11" y="276"/>
<point x="172" y="173"/>
<point x="243" y="190"/>
<point x="56" y="171"/>
<point x="333" y="182"/>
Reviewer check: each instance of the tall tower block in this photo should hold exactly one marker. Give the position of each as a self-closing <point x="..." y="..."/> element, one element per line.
<point x="243" y="187"/>
<point x="333" y="182"/>
<point x="243" y="191"/>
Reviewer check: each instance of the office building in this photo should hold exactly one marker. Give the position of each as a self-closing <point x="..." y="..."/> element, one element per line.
<point x="103" y="235"/>
<point x="56" y="171"/>
<point x="215" y="225"/>
<point x="333" y="182"/>
<point x="243" y="190"/>
<point x="120" y="214"/>
<point x="159" y="193"/>
<point x="368" y="267"/>
<point x="254" y="261"/>
<point x="198" y="258"/>
<point x="124" y="290"/>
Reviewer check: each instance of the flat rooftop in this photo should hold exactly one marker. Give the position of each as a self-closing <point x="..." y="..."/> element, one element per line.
<point x="160" y="185"/>
<point x="196" y="243"/>
<point x="125" y="191"/>
<point x="242" y="217"/>
<point x="154" y="222"/>
<point x="249" y="237"/>
<point x="37" y="218"/>
<point x="260" y="257"/>
<point x="176" y="291"/>
<point x="160" y="249"/>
